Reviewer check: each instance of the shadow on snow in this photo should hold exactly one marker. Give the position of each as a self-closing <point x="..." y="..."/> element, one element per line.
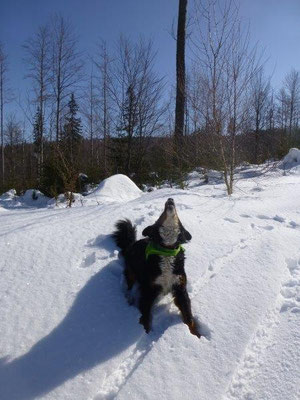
<point x="98" y="326"/>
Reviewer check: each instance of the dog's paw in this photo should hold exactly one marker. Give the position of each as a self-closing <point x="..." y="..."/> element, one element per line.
<point x="194" y="329"/>
<point x="145" y="324"/>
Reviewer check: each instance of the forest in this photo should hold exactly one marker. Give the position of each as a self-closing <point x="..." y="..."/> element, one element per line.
<point x="122" y="117"/>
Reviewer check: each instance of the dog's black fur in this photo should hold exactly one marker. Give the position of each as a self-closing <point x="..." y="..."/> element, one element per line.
<point x="158" y="274"/>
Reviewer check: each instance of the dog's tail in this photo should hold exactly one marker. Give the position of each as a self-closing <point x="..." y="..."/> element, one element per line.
<point x="124" y="235"/>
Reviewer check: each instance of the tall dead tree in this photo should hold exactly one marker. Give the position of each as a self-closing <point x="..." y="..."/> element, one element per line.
<point x="37" y="51"/>
<point x="3" y="67"/>
<point x="104" y="91"/>
<point x="65" y="69"/>
<point x="89" y="110"/>
<point x="180" y="78"/>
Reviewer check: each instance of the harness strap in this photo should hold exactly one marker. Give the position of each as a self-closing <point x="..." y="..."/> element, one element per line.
<point x="161" y="251"/>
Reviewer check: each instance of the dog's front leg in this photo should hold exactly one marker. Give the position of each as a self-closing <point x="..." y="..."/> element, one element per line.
<point x="183" y="302"/>
<point x="147" y="298"/>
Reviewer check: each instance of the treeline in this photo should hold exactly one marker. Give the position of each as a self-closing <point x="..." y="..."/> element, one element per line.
<point x="119" y="118"/>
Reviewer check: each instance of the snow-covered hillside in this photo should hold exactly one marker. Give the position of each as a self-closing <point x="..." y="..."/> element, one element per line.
<point x="67" y="331"/>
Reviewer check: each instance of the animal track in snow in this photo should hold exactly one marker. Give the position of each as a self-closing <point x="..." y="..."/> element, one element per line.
<point x="231" y="220"/>
<point x="245" y="216"/>
<point x="245" y="373"/>
<point x="293" y="224"/>
<point x="218" y="264"/>
<point x="89" y="260"/>
<point x="115" y="381"/>
<point x="290" y="290"/>
<point x="268" y="227"/>
<point x="278" y="218"/>
<point x="263" y="217"/>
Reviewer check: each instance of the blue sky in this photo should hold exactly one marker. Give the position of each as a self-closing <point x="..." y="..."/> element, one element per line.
<point x="274" y="23"/>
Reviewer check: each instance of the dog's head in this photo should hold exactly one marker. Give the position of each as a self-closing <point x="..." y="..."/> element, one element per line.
<point x="168" y="231"/>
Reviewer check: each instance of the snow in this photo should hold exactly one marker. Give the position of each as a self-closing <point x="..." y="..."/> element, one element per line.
<point x="116" y="188"/>
<point x="291" y="161"/>
<point x="31" y="198"/>
<point x="67" y="331"/>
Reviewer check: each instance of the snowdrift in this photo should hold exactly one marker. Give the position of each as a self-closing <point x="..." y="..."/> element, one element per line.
<point x="291" y="161"/>
<point x="31" y="198"/>
<point x="116" y="188"/>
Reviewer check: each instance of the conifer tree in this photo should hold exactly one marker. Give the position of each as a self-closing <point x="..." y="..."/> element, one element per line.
<point x="72" y="130"/>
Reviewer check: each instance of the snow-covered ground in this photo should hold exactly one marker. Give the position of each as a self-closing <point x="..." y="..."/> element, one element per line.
<point x="67" y="332"/>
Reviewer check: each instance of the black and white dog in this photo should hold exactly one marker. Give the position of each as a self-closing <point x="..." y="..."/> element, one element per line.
<point x="156" y="263"/>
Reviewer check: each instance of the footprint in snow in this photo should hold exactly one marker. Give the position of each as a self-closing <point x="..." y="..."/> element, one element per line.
<point x="290" y="290"/>
<point x="268" y="227"/>
<point x="278" y="218"/>
<point x="245" y="216"/>
<point x="233" y="221"/>
<point x="293" y="224"/>
<point x="89" y="260"/>
<point x="263" y="217"/>
<point x="257" y="189"/>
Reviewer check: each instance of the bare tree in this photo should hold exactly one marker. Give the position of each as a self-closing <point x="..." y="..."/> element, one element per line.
<point x="105" y="92"/>
<point x="282" y="109"/>
<point x="260" y="90"/>
<point x="292" y="90"/>
<point x="137" y="94"/>
<point x="227" y="66"/>
<point x="89" y="109"/>
<point x="66" y="67"/>
<point x="3" y="93"/>
<point x="37" y="51"/>
<point x="13" y="139"/>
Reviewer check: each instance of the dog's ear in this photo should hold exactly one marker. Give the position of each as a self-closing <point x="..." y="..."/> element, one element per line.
<point x="148" y="231"/>
<point x="184" y="235"/>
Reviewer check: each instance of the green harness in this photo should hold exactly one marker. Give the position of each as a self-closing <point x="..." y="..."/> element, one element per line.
<point x="153" y="248"/>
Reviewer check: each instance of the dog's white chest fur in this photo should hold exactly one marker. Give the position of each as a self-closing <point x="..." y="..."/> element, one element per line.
<point x="167" y="279"/>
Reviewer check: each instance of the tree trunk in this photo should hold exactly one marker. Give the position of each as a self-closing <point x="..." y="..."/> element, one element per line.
<point x="180" y="79"/>
<point x="1" y="118"/>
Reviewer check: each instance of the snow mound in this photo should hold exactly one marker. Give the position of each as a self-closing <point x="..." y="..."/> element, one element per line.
<point x="10" y="194"/>
<point x="293" y="156"/>
<point x="116" y="188"/>
<point x="34" y="198"/>
<point x="31" y="198"/>
<point x="291" y="161"/>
